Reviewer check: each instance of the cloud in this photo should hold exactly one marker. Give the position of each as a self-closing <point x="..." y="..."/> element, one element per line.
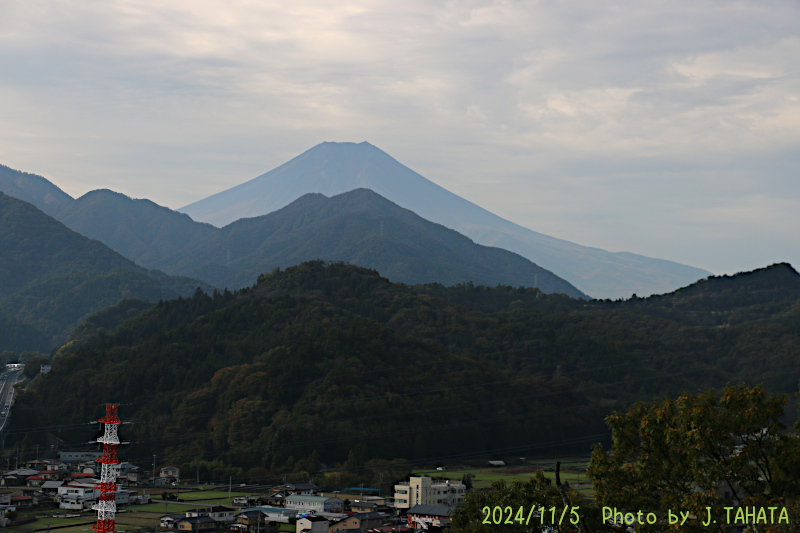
<point x="575" y="118"/>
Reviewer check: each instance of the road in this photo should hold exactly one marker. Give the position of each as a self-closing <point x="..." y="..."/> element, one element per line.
<point x="7" y="379"/>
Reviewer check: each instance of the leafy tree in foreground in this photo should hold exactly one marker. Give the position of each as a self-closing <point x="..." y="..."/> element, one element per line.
<point x="700" y="454"/>
<point x="507" y="507"/>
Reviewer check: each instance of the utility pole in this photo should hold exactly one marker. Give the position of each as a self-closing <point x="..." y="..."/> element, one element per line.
<point x="154" y="469"/>
<point x="230" y="484"/>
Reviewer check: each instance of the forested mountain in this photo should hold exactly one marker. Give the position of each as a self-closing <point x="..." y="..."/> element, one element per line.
<point x="33" y="189"/>
<point x="51" y="278"/>
<point x="333" y="168"/>
<point x="297" y="370"/>
<point x="359" y="227"/>
<point x="141" y="230"/>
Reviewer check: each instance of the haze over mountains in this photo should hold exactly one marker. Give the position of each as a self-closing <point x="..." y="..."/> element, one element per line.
<point x="154" y="236"/>
<point x="333" y="168"/>
<point x="51" y="278"/>
<point x="360" y="227"/>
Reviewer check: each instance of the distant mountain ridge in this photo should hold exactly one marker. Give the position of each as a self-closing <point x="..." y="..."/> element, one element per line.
<point x="33" y="189"/>
<point x="141" y="230"/>
<point x="422" y="252"/>
<point x="52" y="277"/>
<point x="333" y="168"/>
<point x="359" y="227"/>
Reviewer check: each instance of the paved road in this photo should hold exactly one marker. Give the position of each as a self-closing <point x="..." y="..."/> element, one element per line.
<point x="7" y="379"/>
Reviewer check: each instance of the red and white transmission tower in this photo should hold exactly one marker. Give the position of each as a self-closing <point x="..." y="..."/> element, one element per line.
<point x="106" y="503"/>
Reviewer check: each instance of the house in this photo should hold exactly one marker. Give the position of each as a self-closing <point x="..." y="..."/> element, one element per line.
<point x="219" y="513"/>
<point x="246" y="501"/>
<point x="51" y="487"/>
<point x="76" y="495"/>
<point x="79" y="456"/>
<point x="196" y="523"/>
<point x="250" y="521"/>
<point x="423" y="491"/>
<point x="363" y="507"/>
<point x="5" y="497"/>
<point x="312" y="524"/>
<point x="168" y="520"/>
<point x="360" y="521"/>
<point x="308" y="504"/>
<point x="274" y="514"/>
<point x="135" y="475"/>
<point x="170" y="472"/>
<point x="423" y="516"/>
<point x="53" y="475"/>
<point x="223" y="514"/>
<point x="23" y="501"/>
<point x="34" y="481"/>
<point x="302" y="487"/>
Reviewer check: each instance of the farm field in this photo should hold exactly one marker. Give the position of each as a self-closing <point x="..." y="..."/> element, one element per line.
<point x="573" y="471"/>
<point x="130" y="517"/>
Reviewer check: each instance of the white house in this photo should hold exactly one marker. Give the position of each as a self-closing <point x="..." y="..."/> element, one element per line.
<point x="312" y="524"/>
<point x="309" y="504"/>
<point x="76" y="496"/>
<point x="423" y="491"/>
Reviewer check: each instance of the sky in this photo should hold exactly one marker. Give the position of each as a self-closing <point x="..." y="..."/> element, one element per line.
<point x="668" y="129"/>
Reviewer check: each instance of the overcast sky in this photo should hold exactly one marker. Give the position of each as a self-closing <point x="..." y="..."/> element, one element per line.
<point x="670" y="129"/>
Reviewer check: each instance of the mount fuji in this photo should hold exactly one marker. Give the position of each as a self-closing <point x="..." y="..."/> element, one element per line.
<point x="333" y="168"/>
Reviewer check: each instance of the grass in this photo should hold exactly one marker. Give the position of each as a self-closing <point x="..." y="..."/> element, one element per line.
<point x="41" y="523"/>
<point x="201" y="495"/>
<point x="573" y="470"/>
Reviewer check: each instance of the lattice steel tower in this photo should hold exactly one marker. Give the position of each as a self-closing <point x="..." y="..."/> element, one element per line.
<point x="106" y="503"/>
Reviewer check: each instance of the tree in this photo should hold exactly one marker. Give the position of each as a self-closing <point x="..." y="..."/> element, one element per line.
<point x="467" y="480"/>
<point x="699" y="453"/>
<point x="476" y="514"/>
<point x="33" y="366"/>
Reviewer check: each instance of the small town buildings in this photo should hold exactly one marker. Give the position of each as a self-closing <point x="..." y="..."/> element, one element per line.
<point x="169" y="520"/>
<point x="275" y="514"/>
<point x="34" y="481"/>
<point x="76" y="496"/>
<point x="250" y="522"/>
<point x="246" y="501"/>
<point x="301" y="487"/>
<point x="221" y="513"/>
<point x="423" y="516"/>
<point x="309" y="504"/>
<point x="170" y="472"/>
<point x="79" y="455"/>
<point x="423" y="491"/>
<point x="196" y="523"/>
<point x="51" y="487"/>
<point x="360" y="521"/>
<point x="363" y="507"/>
<point x="312" y="524"/>
<point x="278" y="494"/>
<point x="23" y="501"/>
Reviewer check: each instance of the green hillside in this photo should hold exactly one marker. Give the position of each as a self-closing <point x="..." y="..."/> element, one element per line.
<point x="51" y="278"/>
<point x="319" y="362"/>
<point x="359" y="227"/>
